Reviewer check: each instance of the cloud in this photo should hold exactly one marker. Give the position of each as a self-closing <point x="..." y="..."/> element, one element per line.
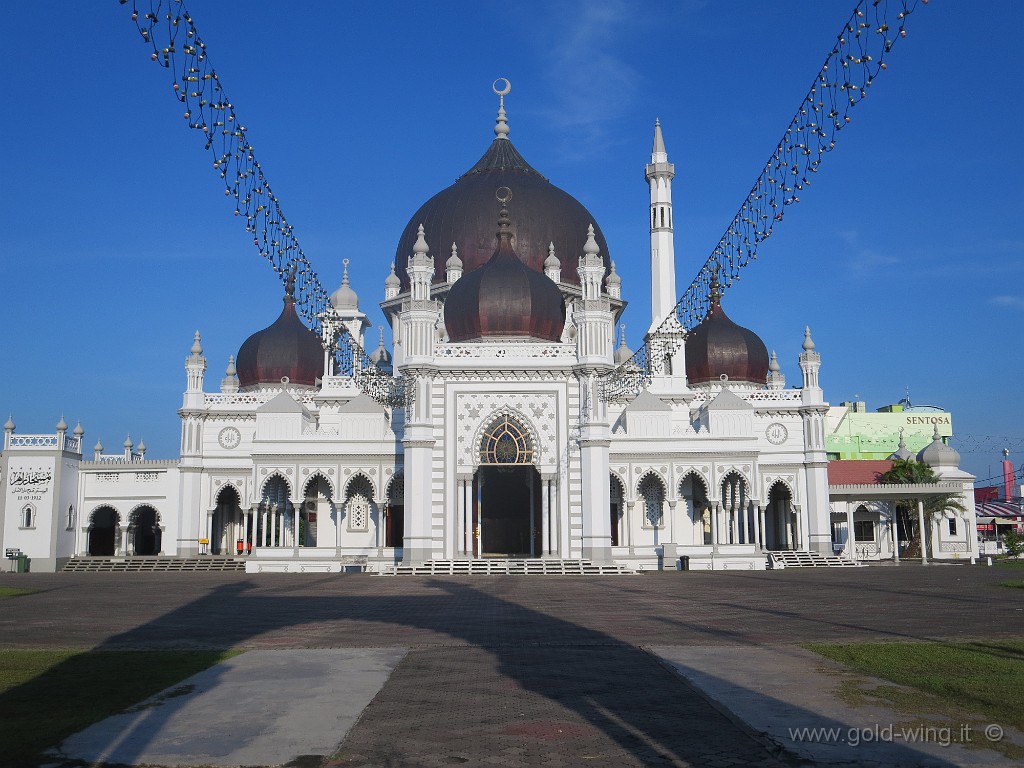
<point x="1014" y="302"/>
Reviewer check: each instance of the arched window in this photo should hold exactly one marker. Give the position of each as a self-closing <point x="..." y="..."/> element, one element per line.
<point x="28" y="517"/>
<point x="71" y="517"/>
<point x="653" y="494"/>
<point x="506" y="442"/>
<point x="357" y="503"/>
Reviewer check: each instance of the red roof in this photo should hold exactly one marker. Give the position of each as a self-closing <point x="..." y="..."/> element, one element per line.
<point x="856" y="472"/>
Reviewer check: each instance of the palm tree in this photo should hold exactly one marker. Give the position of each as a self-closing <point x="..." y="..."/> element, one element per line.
<point x="909" y="471"/>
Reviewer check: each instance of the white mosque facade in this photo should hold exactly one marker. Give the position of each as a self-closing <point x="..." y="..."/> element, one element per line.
<point x="503" y="316"/>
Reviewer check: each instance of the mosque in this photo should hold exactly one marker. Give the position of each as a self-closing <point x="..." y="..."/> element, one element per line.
<point x="503" y="302"/>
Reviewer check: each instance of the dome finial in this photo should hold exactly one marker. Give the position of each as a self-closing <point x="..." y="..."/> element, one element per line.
<point x="808" y="341"/>
<point x="504" y="194"/>
<point x="345" y="299"/>
<point x="289" y="285"/>
<point x="591" y="248"/>
<point x="197" y="346"/>
<point x="716" y="287"/>
<point x="773" y="363"/>
<point x="501" y="127"/>
<point x="420" y="247"/>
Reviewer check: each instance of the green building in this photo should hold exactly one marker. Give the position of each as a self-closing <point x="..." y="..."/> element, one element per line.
<point x="853" y="432"/>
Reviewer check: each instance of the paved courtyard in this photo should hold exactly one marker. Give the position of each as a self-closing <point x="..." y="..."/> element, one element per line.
<point x="511" y="671"/>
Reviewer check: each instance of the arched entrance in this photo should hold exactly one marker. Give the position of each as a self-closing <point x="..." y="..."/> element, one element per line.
<point x="317" y="515"/>
<point x="735" y="511"/>
<point x="616" y="505"/>
<point x="694" y="493"/>
<point x="276" y="514"/>
<point x="394" y="513"/>
<point x="144" y="529"/>
<point x="227" y="522"/>
<point x="507" y="493"/>
<point x="103" y="525"/>
<point x="778" y="519"/>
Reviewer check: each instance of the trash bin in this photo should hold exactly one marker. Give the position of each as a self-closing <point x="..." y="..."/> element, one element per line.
<point x="21" y="564"/>
<point x="685" y="562"/>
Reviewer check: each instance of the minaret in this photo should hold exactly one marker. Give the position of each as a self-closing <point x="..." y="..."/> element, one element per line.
<point x="195" y="365"/>
<point x="812" y="413"/>
<point x="663" y="268"/>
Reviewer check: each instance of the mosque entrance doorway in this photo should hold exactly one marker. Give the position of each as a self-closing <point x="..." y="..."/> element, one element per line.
<point x="102" y="532"/>
<point x="507" y="512"/>
<point x="507" y="493"/>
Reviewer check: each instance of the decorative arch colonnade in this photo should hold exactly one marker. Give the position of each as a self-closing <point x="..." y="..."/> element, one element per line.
<point x="647" y="512"/>
<point x="315" y="518"/>
<point x="108" y="532"/>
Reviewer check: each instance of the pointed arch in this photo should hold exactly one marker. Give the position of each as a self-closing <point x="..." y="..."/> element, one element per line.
<point x="272" y="485"/>
<point x="224" y="492"/>
<point x="779" y="527"/>
<point x="652" y="492"/>
<point x="359" y="508"/>
<point x="104" y="531"/>
<point x="394" y="511"/>
<point x="276" y="518"/>
<point x="617" y="507"/>
<point x="227" y="521"/>
<point x="695" y="492"/>
<point x="507" y="440"/>
<point x="319" y="475"/>
<point x="144" y="530"/>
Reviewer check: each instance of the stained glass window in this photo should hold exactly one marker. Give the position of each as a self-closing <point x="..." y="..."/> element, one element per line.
<point x="506" y="442"/>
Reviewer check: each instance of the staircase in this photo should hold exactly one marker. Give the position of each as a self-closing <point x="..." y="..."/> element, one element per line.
<point x="792" y="559"/>
<point x="152" y="564"/>
<point x="494" y="566"/>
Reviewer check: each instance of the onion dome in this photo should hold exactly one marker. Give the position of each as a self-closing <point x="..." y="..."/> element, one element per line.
<point x="613" y="279"/>
<point x="78" y="431"/>
<point x="380" y="356"/>
<point x="504" y="298"/>
<point x="128" y="444"/>
<point x="464" y="214"/>
<point x="99" y="446"/>
<point x="286" y="350"/>
<point x="197" y="347"/>
<point x="622" y="352"/>
<point x="454" y="262"/>
<point x="902" y="452"/>
<point x="62" y="426"/>
<point x="718" y="346"/>
<point x="937" y="454"/>
<point x="9" y="424"/>
<point x="345" y="299"/>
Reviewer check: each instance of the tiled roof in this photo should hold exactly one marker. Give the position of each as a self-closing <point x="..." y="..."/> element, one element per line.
<point x="854" y="472"/>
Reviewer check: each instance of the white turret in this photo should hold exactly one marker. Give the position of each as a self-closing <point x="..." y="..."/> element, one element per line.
<point x="195" y="366"/>
<point x="552" y="265"/>
<point x="229" y="384"/>
<point x="810" y="362"/>
<point x="663" y="268"/>
<point x="453" y="267"/>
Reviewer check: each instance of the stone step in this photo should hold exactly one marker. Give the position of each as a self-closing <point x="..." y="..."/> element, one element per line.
<point x="87" y="564"/>
<point x="797" y="559"/>
<point x="485" y="566"/>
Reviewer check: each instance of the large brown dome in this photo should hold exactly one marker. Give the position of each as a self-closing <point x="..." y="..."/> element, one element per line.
<point x="285" y="349"/>
<point x="464" y="214"/>
<point x="504" y="298"/>
<point x="718" y="346"/>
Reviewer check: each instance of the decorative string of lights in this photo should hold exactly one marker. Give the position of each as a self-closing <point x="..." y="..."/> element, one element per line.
<point x="849" y="70"/>
<point x="168" y="29"/>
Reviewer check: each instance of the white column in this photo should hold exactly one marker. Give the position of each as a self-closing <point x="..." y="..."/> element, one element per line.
<point x="715" y="512"/>
<point x="759" y="526"/>
<point x="798" y="529"/>
<point x="852" y="553"/>
<point x="923" y="532"/>
<point x="894" y="534"/>
<point x="460" y="523"/>
<point x="545" y="503"/>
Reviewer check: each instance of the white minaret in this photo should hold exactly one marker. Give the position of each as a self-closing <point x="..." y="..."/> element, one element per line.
<point x="663" y="253"/>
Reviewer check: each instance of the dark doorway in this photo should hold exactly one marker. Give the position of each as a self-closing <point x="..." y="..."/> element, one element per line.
<point x="394" y="514"/>
<point x="507" y="511"/>
<point x="147" y="531"/>
<point x="101" y="532"/>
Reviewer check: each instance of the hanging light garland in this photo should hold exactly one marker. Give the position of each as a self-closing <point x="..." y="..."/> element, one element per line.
<point x="849" y="71"/>
<point x="167" y="28"/>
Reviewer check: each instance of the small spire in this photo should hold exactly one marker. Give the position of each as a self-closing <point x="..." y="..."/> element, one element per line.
<point x="78" y="431"/>
<point x="197" y="347"/>
<point x="552" y="261"/>
<point x="590" y="247"/>
<point x="344" y="274"/>
<point x="716" y="288"/>
<point x="420" y="248"/>
<point x="230" y="370"/>
<point x="62" y="426"/>
<point x="613" y="276"/>
<point x="504" y="194"/>
<point x="99" y="446"/>
<point x="501" y="126"/>
<point x="142" y="447"/>
<point x="9" y="424"/>
<point x="392" y="279"/>
<point x="808" y="341"/>
<point x="623" y="353"/>
<point x="454" y="261"/>
<point x="659" y="142"/>
<point x="128" y="443"/>
<point x="773" y="363"/>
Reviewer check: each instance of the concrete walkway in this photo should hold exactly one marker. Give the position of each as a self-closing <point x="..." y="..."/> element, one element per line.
<point x="260" y="708"/>
<point x="800" y="701"/>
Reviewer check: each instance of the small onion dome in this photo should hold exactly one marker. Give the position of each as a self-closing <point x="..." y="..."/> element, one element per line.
<point x="902" y="452"/>
<point x="622" y="352"/>
<point x="380" y="356"/>
<point x="552" y="262"/>
<point x="345" y="298"/>
<point x="197" y="347"/>
<point x="504" y="298"/>
<point x="454" y="262"/>
<point x="62" y="426"/>
<point x="285" y="349"/>
<point x="78" y="431"/>
<point x="128" y="442"/>
<point x="99" y="446"/>
<point x="613" y="277"/>
<point x="938" y="454"/>
<point x="773" y="363"/>
<point x="718" y="346"/>
<point x="9" y="424"/>
<point x="142" y="446"/>
<point x="392" y="281"/>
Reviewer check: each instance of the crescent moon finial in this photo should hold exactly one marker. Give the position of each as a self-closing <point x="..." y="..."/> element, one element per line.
<point x="501" y="127"/>
<point x="503" y="194"/>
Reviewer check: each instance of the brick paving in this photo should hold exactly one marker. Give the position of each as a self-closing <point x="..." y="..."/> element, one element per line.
<point x="514" y="670"/>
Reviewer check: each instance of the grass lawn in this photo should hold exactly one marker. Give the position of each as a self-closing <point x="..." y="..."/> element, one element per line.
<point x="47" y="695"/>
<point x="6" y="592"/>
<point x="1015" y="583"/>
<point x="985" y="678"/>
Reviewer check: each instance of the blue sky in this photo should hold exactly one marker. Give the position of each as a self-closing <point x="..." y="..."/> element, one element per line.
<point x="905" y="258"/>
